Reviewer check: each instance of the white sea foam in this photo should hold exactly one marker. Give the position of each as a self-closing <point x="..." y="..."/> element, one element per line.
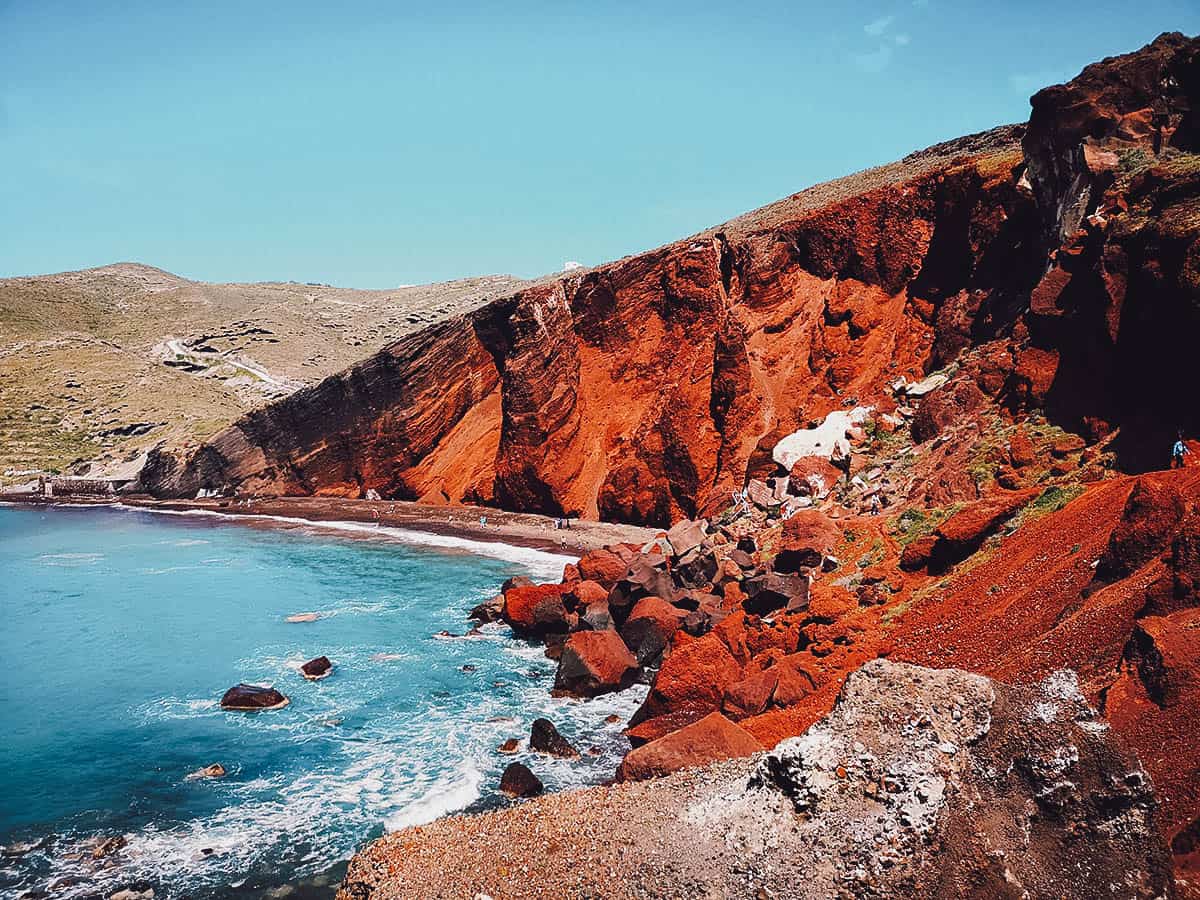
<point x="541" y="564"/>
<point x="70" y="559"/>
<point x="446" y="795"/>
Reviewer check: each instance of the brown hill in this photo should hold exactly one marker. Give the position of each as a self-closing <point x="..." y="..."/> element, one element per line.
<point x="100" y="365"/>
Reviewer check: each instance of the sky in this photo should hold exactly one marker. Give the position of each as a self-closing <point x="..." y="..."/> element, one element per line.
<point x="373" y="144"/>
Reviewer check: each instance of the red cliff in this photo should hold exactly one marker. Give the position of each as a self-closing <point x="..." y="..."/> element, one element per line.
<point x="648" y="389"/>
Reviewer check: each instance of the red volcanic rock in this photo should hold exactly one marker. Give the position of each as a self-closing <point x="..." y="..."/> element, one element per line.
<point x="918" y="553"/>
<point x="750" y="696"/>
<point x="694" y="675"/>
<point x="813" y="476"/>
<point x="518" y="781"/>
<point x="1021" y="450"/>
<point x="962" y="534"/>
<point x="649" y="628"/>
<point x="952" y="402"/>
<point x="653" y="729"/>
<point x="1150" y="520"/>
<point x="583" y="594"/>
<point x="711" y="738"/>
<point x="807" y="538"/>
<point x="536" y="610"/>
<point x="966" y="529"/>
<point x="602" y="566"/>
<point x="593" y="663"/>
<point x="793" y="683"/>
<point x="766" y="594"/>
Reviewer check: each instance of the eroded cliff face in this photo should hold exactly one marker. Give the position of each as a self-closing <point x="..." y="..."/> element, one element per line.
<point x="648" y="389"/>
<point x="643" y="390"/>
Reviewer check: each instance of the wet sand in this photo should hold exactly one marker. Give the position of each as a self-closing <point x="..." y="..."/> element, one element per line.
<point x="473" y="522"/>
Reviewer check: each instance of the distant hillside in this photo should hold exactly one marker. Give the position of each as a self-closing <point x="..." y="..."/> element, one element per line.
<point x="103" y="363"/>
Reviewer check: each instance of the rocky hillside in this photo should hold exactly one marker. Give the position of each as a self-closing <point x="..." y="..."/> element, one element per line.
<point x="1055" y="263"/>
<point x="100" y="365"/>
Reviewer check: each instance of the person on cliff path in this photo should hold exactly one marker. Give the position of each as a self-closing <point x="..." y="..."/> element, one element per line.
<point x="1178" y="452"/>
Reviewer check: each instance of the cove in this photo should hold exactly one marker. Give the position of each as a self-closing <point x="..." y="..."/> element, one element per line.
<point x="122" y="629"/>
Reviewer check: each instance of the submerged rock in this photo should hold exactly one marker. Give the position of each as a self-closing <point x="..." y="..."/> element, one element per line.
<point x="109" y="846"/>
<point x="216" y="770"/>
<point x="253" y="697"/>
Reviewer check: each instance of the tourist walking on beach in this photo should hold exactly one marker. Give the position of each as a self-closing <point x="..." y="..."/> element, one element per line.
<point x="1178" y="452"/>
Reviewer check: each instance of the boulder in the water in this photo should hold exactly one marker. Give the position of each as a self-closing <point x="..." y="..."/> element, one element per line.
<point x="253" y="697"/>
<point x="545" y="738"/>
<point x="109" y="846"/>
<point x="216" y="770"/>
<point x="509" y="747"/>
<point x="518" y="781"/>
<point x="316" y="669"/>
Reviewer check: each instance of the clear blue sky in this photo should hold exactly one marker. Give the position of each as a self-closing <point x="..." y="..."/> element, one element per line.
<point x="374" y="144"/>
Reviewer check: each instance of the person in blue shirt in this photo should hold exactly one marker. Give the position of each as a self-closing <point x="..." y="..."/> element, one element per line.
<point x="1178" y="452"/>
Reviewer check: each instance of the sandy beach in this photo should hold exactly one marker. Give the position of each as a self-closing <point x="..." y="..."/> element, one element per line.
<point x="471" y="522"/>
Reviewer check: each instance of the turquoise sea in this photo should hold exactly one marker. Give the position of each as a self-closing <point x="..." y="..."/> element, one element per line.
<point x="122" y="628"/>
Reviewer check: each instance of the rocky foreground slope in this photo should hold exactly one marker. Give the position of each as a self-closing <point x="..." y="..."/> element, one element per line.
<point x="1056" y="261"/>
<point x="919" y="783"/>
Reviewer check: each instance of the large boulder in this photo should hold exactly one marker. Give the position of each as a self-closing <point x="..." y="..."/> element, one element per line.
<point x="752" y="695"/>
<point x="593" y="663"/>
<point x="813" y="476"/>
<point x="694" y="675"/>
<point x="686" y="535"/>
<point x="806" y="539"/>
<point x="489" y="610"/>
<point x="963" y="533"/>
<point x="772" y="592"/>
<point x="316" y="669"/>
<point x="519" y="781"/>
<point x="252" y="698"/>
<point x="603" y="566"/>
<point x="649" y="628"/>
<point x="711" y="738"/>
<point x="583" y="594"/>
<point x="537" y="610"/>
<point x="545" y="738"/>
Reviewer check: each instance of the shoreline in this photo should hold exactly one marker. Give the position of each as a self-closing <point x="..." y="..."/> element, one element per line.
<point x="527" y="530"/>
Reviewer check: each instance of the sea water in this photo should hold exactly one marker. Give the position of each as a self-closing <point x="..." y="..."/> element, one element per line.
<point x="119" y="631"/>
